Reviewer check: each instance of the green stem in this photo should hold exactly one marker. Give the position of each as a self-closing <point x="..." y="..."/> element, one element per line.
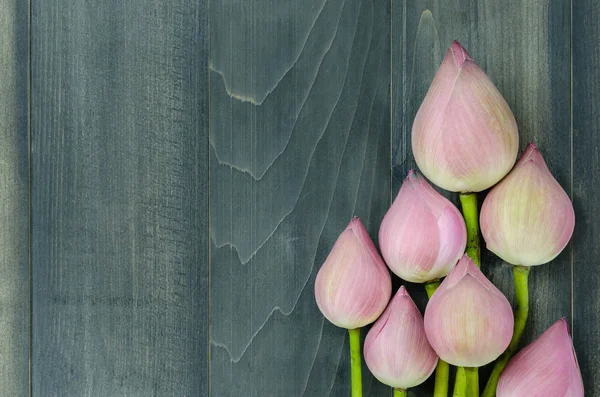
<point x="472" y="375"/>
<point x="521" y="274"/>
<point x="355" y="362"/>
<point x="399" y="393"/>
<point x="467" y="382"/>
<point x="468" y="203"/>
<point x="460" y="383"/>
<point x="432" y="286"/>
<point x="442" y="370"/>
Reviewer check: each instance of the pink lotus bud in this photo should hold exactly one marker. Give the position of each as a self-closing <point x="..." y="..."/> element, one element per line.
<point x="527" y="219"/>
<point x="547" y="367"/>
<point x="353" y="286"/>
<point x="423" y="234"/>
<point x="396" y="349"/>
<point x="464" y="136"/>
<point x="468" y="321"/>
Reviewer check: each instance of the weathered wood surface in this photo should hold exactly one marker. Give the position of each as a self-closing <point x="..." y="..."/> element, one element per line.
<point x="300" y="132"/>
<point x="119" y="190"/>
<point x="586" y="179"/>
<point x="302" y="99"/>
<point x="14" y="199"/>
<point x="525" y="49"/>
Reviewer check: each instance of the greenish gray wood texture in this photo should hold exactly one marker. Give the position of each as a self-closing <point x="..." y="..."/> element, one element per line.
<point x="586" y="185"/>
<point x="136" y="281"/>
<point x="525" y="49"/>
<point x="299" y="131"/>
<point x="119" y="193"/>
<point x="14" y="199"/>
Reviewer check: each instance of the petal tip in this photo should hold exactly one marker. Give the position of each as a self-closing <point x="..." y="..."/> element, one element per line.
<point x="412" y="175"/>
<point x="565" y="324"/>
<point x="466" y="263"/>
<point x="533" y="154"/>
<point x="459" y="54"/>
<point x="531" y="146"/>
<point x="355" y="223"/>
<point x="530" y="150"/>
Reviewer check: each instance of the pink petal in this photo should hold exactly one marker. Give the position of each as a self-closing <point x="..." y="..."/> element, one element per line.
<point x="423" y="234"/>
<point x="396" y="349"/>
<point x="464" y="136"/>
<point x="459" y="54"/>
<point x="531" y="152"/>
<point x="528" y="218"/>
<point x="353" y="286"/>
<point x="468" y="321"/>
<point x="547" y="367"/>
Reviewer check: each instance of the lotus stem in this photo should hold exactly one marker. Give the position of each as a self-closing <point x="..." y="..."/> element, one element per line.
<point x="468" y="203"/>
<point x="472" y="375"/>
<point x="355" y="362"/>
<point x="460" y="383"/>
<point x="399" y="393"/>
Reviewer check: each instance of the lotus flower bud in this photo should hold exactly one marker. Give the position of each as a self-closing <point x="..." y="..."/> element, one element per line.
<point x="353" y="286"/>
<point x="464" y="136"/>
<point x="527" y="219"/>
<point x="468" y="321"/>
<point x="396" y="349"/>
<point x="423" y="235"/>
<point x="547" y="367"/>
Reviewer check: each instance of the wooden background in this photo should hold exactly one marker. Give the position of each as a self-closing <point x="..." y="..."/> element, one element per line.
<point x="173" y="174"/>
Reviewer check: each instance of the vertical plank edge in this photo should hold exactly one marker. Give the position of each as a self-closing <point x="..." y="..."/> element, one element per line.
<point x="14" y="199"/>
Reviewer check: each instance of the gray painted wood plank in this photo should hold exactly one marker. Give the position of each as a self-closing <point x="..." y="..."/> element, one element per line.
<point x="119" y="157"/>
<point x="524" y="47"/>
<point x="586" y="189"/>
<point x="300" y="136"/>
<point x="14" y="198"/>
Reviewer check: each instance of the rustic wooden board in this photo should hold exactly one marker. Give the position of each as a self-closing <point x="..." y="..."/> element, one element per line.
<point x="300" y="135"/>
<point x="586" y="185"/>
<point x="14" y="198"/>
<point x="119" y="191"/>
<point x="525" y="48"/>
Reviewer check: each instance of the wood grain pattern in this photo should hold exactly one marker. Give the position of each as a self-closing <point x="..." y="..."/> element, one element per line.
<point x="586" y="177"/>
<point x="299" y="144"/>
<point x="525" y="48"/>
<point x="119" y="152"/>
<point x="14" y="199"/>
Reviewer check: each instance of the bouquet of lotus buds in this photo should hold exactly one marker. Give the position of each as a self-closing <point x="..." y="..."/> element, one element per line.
<point x="464" y="140"/>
